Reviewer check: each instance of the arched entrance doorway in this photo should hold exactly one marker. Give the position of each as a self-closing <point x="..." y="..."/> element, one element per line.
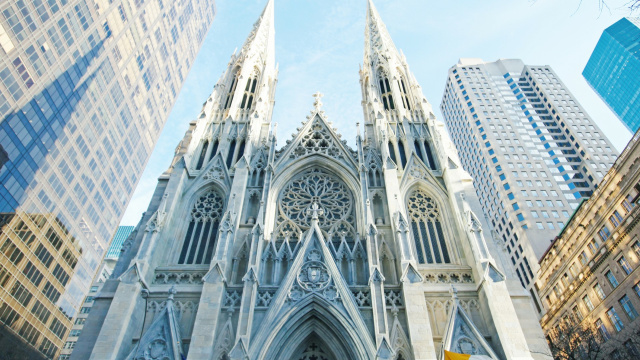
<point x="313" y="349"/>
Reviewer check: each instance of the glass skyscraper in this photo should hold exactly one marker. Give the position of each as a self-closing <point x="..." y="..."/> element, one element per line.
<point x="85" y="89"/>
<point x="532" y="149"/>
<point x="613" y="70"/>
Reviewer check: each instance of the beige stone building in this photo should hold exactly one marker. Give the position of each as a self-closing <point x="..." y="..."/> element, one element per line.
<point x="589" y="274"/>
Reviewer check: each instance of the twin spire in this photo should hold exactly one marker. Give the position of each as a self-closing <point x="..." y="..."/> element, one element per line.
<point x="261" y="40"/>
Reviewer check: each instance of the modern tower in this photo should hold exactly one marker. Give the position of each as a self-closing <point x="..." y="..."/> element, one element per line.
<point x="614" y="68"/>
<point x="533" y="151"/>
<point x="85" y="89"/>
<point x="104" y="273"/>
<point x="313" y="250"/>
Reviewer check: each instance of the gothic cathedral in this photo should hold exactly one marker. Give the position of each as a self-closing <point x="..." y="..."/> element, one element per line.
<point x="313" y="250"/>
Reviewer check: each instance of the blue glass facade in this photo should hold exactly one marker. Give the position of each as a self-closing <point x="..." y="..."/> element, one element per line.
<point x="118" y="240"/>
<point x="613" y="70"/>
<point x="85" y="89"/>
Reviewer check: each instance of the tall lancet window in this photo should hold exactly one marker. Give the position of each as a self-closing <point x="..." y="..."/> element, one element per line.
<point x="203" y="155"/>
<point x="427" y="149"/>
<point x="232" y="151"/>
<point x="385" y="91"/>
<point x="426" y="228"/>
<point x="249" y="93"/>
<point x="232" y="90"/>
<point x="404" y="94"/>
<point x="204" y="220"/>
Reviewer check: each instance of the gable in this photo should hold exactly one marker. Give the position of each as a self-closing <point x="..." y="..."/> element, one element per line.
<point x="317" y="137"/>
<point x="462" y="336"/>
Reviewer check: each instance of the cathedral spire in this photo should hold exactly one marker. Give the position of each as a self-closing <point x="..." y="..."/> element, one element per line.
<point x="397" y="115"/>
<point x="235" y="119"/>
<point x="261" y="40"/>
<point x="377" y="38"/>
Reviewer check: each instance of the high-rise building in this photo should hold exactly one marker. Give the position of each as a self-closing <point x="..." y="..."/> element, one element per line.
<point x="121" y="235"/>
<point x="85" y="89"/>
<point x="533" y="151"/>
<point x="589" y="277"/>
<point x="104" y="273"/>
<point x="613" y="70"/>
<point x="313" y="250"/>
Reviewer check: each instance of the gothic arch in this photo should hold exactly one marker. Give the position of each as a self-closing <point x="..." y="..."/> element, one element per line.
<point x="449" y="224"/>
<point x="183" y="227"/>
<point x="314" y="316"/>
<point x="327" y="164"/>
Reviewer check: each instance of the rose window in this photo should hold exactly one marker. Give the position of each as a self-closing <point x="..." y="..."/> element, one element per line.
<point x="314" y="186"/>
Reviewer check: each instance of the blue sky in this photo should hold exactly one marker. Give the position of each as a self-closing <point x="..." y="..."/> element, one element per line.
<point x="319" y="46"/>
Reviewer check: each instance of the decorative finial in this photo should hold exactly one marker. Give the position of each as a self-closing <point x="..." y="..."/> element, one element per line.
<point x="315" y="211"/>
<point x="172" y="292"/>
<point x="318" y="102"/>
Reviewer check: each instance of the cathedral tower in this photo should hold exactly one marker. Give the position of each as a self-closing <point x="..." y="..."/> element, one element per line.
<point x="315" y="249"/>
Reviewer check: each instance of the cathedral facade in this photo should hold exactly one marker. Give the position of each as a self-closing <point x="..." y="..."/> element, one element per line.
<point x="313" y="250"/>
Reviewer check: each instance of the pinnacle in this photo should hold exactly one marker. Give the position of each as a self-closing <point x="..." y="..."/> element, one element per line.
<point x="376" y="35"/>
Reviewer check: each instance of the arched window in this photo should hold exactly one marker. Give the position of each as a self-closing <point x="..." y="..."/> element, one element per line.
<point x="232" y="90"/>
<point x="200" y="240"/>
<point x="385" y="91"/>
<point x="203" y="155"/>
<point x="426" y="228"/>
<point x="404" y="94"/>
<point x="249" y="93"/>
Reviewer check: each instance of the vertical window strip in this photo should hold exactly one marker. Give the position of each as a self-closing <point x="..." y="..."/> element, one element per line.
<point x="434" y="242"/>
<point x="185" y="247"/>
<point x="418" y="150"/>
<point x="403" y="155"/>
<point x="427" y="148"/>
<point x="232" y="149"/>
<point x="194" y="242"/>
<point x="443" y="244"/>
<point x="416" y="239"/>
<point x="425" y="243"/>
<point x="204" y="239"/>
<point x="392" y="152"/>
<point x="203" y="155"/>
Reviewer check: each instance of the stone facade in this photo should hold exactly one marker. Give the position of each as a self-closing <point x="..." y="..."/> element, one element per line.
<point x="589" y="275"/>
<point x="313" y="249"/>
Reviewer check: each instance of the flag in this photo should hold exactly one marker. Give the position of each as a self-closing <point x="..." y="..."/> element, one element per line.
<point x="448" y="355"/>
<point x="455" y="356"/>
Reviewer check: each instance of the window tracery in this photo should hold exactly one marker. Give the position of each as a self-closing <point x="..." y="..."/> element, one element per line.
<point x="385" y="91"/>
<point x="250" y="92"/>
<point x="404" y="94"/>
<point x="427" y="230"/>
<point x="257" y="170"/>
<point x="204" y="220"/>
<point x="232" y="90"/>
<point x="315" y="185"/>
<point x="374" y="169"/>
